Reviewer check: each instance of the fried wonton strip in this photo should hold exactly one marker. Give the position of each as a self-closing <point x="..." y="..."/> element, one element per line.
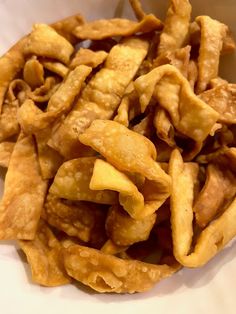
<point x="33" y="73"/>
<point x="8" y="120"/>
<point x="56" y="67"/>
<point x="144" y="127"/>
<point x="212" y="34"/>
<point x="189" y="114"/>
<point x="137" y="8"/>
<point x="209" y="202"/>
<point x="192" y="74"/>
<point x="18" y="90"/>
<point x="112" y="249"/>
<point x="66" y="26"/>
<point x="44" y="41"/>
<point x="45" y="91"/>
<point x="101" y="96"/>
<point x="213" y="238"/>
<point x="32" y="119"/>
<point x="131" y="152"/>
<point x="76" y="219"/>
<point x="44" y="254"/>
<point x="101" y="29"/>
<point x="10" y="64"/>
<point x="107" y="273"/>
<point x="124" y="230"/>
<point x="49" y="159"/>
<point x="72" y="182"/>
<point x="222" y="99"/>
<point x="107" y="177"/>
<point x="176" y="26"/>
<point x="164" y="128"/>
<point x="20" y="206"/>
<point x="6" y="149"/>
<point x="88" y="57"/>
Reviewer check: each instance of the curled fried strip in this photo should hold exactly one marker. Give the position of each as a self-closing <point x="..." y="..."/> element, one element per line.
<point x="45" y="91"/>
<point x="101" y="96"/>
<point x="107" y="273"/>
<point x="33" y="73"/>
<point x="44" y="254"/>
<point x="137" y="8"/>
<point x="189" y="115"/>
<point x="8" y="120"/>
<point x="212" y="34"/>
<point x="111" y="248"/>
<point x="46" y="42"/>
<point x="56" y="67"/>
<point x="164" y="128"/>
<point x="124" y="230"/>
<point x="88" y="57"/>
<point x="176" y="26"/>
<point x="72" y="182"/>
<point x="6" y="149"/>
<point x="101" y="29"/>
<point x="20" y="206"/>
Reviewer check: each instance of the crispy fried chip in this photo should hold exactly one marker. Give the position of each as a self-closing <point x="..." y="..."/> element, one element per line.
<point x="76" y="219"/>
<point x="8" y="122"/>
<point x="208" y="202"/>
<point x="56" y="67"/>
<point x="124" y="230"/>
<point x="132" y="152"/>
<point x="192" y="75"/>
<point x="88" y="57"/>
<point x="72" y="182"/>
<point x="213" y="238"/>
<point x="10" y="64"/>
<point x="212" y="34"/>
<point x="33" y="73"/>
<point x="44" y="92"/>
<point x="20" y="206"/>
<point x="137" y="8"/>
<point x="32" y="119"/>
<point x="44" y="254"/>
<point x="102" y="95"/>
<point x="189" y="115"/>
<point x="222" y="99"/>
<point x="176" y="26"/>
<point x="102" y="29"/>
<point x="6" y="149"/>
<point x="164" y="128"/>
<point x="107" y="273"/>
<point x="46" y="42"/>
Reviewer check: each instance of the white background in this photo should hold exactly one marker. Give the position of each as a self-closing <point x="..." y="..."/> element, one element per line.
<point x="210" y="289"/>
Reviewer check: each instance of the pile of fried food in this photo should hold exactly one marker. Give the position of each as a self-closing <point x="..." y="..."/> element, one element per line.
<point x="121" y="156"/>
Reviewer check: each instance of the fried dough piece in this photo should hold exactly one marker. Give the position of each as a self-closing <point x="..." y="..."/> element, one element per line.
<point x="212" y="35"/>
<point x="45" y="91"/>
<point x="10" y="64"/>
<point x="223" y="100"/>
<point x="192" y="74"/>
<point x="164" y="128"/>
<point x="101" y="29"/>
<point x="213" y="238"/>
<point x="137" y="8"/>
<point x="44" y="254"/>
<point x="124" y="230"/>
<point x="44" y="41"/>
<point x="107" y="273"/>
<point x="72" y="182"/>
<point x="33" y="73"/>
<point x="88" y="57"/>
<point x="189" y="115"/>
<point x="55" y="67"/>
<point x="131" y="152"/>
<point x="176" y="26"/>
<point x="208" y="202"/>
<point x="112" y="249"/>
<point x="6" y="149"/>
<point x="8" y="120"/>
<point x="101" y="96"/>
<point x="20" y="206"/>
<point x="32" y="119"/>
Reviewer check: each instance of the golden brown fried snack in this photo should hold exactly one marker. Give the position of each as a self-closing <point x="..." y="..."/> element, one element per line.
<point x="44" y="254"/>
<point x="101" y="29"/>
<point x="6" y="149"/>
<point x="72" y="182"/>
<point x="20" y="206"/>
<point x="8" y="120"/>
<point x="212" y="34"/>
<point x="88" y="57"/>
<point x="101" y="96"/>
<point x="112" y="249"/>
<point x="33" y="73"/>
<point x="218" y="191"/>
<point x="176" y="26"/>
<point x="222" y="99"/>
<point x="124" y="230"/>
<point x="107" y="273"/>
<point x="137" y="8"/>
<point x="45" y="91"/>
<point x="46" y="42"/>
<point x="55" y="67"/>
<point x="10" y="64"/>
<point x="164" y="128"/>
<point x="189" y="115"/>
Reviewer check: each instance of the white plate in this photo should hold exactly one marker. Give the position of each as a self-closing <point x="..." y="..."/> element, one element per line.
<point x="210" y="289"/>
